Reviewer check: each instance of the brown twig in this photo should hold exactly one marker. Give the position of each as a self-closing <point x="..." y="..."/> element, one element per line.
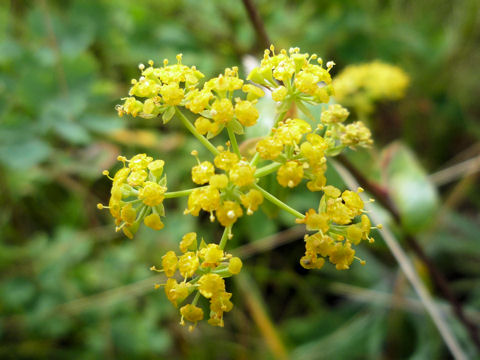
<point x="382" y="196"/>
<point x="257" y="23"/>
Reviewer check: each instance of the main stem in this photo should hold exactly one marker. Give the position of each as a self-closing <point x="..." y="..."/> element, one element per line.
<point x="279" y="203"/>
<point x="195" y="133"/>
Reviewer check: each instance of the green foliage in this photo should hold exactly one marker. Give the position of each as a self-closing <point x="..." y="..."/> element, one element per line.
<point x="413" y="194"/>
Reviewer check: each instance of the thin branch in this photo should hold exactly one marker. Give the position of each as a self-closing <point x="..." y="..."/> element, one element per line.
<point x="452" y="173"/>
<point x="405" y="303"/>
<point x="257" y="23"/>
<point x="381" y="195"/>
<point x="410" y="273"/>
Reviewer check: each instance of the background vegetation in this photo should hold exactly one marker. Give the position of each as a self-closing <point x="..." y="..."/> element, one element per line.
<point x="70" y="287"/>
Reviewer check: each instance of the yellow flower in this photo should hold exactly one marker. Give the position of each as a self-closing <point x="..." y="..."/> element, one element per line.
<point x="306" y="82"/>
<point x="219" y="181"/>
<point x="353" y="202"/>
<point x="202" y="172"/>
<point x="197" y="101"/>
<point x="253" y="92"/>
<point x="210" y="199"/>
<point x="290" y="174"/>
<point x="269" y="148"/>
<point x="291" y="131"/>
<point x="246" y="113"/>
<point x="314" y="150"/>
<point x="279" y="93"/>
<point x="203" y="125"/>
<point x="318" y="182"/>
<point x="128" y="214"/>
<point x="177" y="292"/>
<point x="228" y="213"/>
<point x="354" y="233"/>
<point x="187" y="264"/>
<point x="137" y="177"/>
<point x="242" y="174"/>
<point x="314" y="221"/>
<point x="172" y="94"/>
<point x="342" y="255"/>
<point x="366" y="226"/>
<point x="152" y="193"/>
<point x="356" y="134"/>
<point x="189" y="242"/>
<point x="251" y="200"/>
<point x="331" y="191"/>
<point x="336" y="113"/>
<point x="153" y="221"/>
<point x="377" y="80"/>
<point x="131" y="106"/>
<point x="206" y="198"/>
<point x="191" y="313"/>
<point x="121" y="175"/>
<point x="225" y="160"/>
<point x="319" y="244"/>
<point x="212" y="255"/>
<point x="139" y="162"/>
<point x="222" y="111"/>
<point x="221" y="302"/>
<point x="210" y="285"/>
<point x="156" y="168"/>
<point x="311" y="261"/>
<point x="169" y="263"/>
<point x="338" y="212"/>
<point x="235" y="265"/>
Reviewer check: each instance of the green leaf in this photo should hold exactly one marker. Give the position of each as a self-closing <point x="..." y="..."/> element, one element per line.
<point x="25" y="154"/>
<point x="410" y="189"/>
<point x="236" y="127"/>
<point x="72" y="132"/>
<point x="168" y="114"/>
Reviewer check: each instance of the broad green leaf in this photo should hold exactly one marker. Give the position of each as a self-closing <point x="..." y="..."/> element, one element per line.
<point x="410" y="189"/>
<point x="72" y="132"/>
<point x="25" y="154"/>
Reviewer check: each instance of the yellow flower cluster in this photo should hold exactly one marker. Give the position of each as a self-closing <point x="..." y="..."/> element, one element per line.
<point x="203" y="269"/>
<point x="137" y="194"/>
<point x="302" y="151"/>
<point x="228" y="183"/>
<point x="361" y="85"/>
<point x="177" y="85"/>
<point x="225" y="191"/>
<point x="161" y="87"/>
<point x="335" y="229"/>
<point x="293" y="77"/>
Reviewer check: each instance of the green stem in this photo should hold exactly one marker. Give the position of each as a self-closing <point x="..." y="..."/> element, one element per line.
<point x="195" y="299"/>
<point x="279" y="203"/>
<point x="175" y="194"/>
<point x="224" y="239"/>
<point x="233" y="141"/>
<point x="195" y="133"/>
<point x="268" y="169"/>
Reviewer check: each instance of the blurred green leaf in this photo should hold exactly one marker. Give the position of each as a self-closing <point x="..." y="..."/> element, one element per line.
<point x="409" y="187"/>
<point x="25" y="153"/>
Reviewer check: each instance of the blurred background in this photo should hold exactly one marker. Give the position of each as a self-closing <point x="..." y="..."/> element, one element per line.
<point x="70" y="287"/>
